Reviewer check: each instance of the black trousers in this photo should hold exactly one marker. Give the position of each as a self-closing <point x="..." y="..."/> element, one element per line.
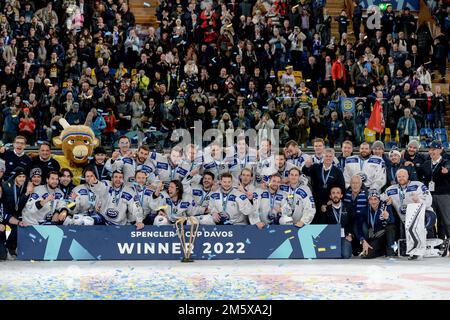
<point x="11" y="243"/>
<point x="441" y="205"/>
<point x="382" y="245"/>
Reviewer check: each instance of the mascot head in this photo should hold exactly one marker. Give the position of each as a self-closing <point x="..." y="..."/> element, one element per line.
<point x="77" y="142"/>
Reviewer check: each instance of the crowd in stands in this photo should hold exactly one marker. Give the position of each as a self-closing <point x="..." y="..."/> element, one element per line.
<point x="232" y="64"/>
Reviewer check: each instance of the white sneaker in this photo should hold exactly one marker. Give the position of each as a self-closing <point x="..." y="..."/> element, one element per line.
<point x="11" y="257"/>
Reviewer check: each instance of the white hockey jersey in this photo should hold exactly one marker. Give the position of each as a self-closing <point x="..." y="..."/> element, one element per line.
<point x="300" y="206"/>
<point x="119" y="206"/>
<point x="234" y="207"/>
<point x="371" y="170"/>
<point x="34" y="214"/>
<point x="267" y="206"/>
<point x="401" y="197"/>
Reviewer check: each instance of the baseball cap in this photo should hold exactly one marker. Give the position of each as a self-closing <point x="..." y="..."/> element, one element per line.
<point x="435" y="144"/>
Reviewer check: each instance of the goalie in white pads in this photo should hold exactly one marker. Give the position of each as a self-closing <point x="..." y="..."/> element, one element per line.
<point x="401" y="195"/>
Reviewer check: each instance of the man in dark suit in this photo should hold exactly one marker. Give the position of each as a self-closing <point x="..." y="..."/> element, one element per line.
<point x="324" y="176"/>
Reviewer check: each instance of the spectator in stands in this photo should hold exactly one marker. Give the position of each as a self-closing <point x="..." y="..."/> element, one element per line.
<point x="406" y="127"/>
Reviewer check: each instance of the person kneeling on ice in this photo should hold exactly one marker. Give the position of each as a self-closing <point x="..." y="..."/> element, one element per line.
<point x="229" y="205"/>
<point x="172" y="204"/>
<point x="337" y="212"/>
<point x="267" y="203"/>
<point x="376" y="230"/>
<point x="119" y="205"/>
<point x="400" y="196"/>
<point x="46" y="204"/>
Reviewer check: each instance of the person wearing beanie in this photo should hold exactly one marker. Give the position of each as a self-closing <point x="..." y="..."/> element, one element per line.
<point x="16" y="192"/>
<point x="371" y="168"/>
<point x="378" y="150"/>
<point x="395" y="163"/>
<point x="44" y="160"/>
<point x="376" y="230"/>
<point x="97" y="164"/>
<point x="414" y="158"/>
<point x="36" y="176"/>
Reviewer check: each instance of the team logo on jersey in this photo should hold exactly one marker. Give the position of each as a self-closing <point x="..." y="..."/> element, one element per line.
<point x="112" y="213"/>
<point x="363" y="176"/>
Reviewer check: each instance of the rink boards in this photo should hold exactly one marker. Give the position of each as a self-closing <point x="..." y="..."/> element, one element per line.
<point x="163" y="243"/>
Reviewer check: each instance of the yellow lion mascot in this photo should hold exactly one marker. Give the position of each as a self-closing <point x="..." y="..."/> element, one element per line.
<point x="78" y="143"/>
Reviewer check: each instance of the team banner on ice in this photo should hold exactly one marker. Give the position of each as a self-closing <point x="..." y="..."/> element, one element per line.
<point x="162" y="243"/>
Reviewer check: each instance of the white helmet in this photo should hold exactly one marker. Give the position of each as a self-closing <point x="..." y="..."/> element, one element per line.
<point x="88" y="221"/>
<point x="161" y="221"/>
<point x="77" y="219"/>
<point x="285" y="220"/>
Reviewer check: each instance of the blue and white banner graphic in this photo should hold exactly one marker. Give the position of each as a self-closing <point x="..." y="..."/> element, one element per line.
<point x="348" y="105"/>
<point x="162" y="243"/>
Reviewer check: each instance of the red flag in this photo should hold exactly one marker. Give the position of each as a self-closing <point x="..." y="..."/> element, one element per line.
<point x="376" y="120"/>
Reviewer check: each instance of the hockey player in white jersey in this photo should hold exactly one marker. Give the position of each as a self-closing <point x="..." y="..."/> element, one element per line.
<point x="172" y="204"/>
<point x="130" y="164"/>
<point x="246" y="183"/>
<point x="294" y="181"/>
<point x="298" y="209"/>
<point x="124" y="150"/>
<point x="46" y="204"/>
<point x="407" y="192"/>
<point x="143" y="196"/>
<point x="267" y="203"/>
<point x="282" y="167"/>
<point x="86" y="197"/>
<point x="266" y="161"/>
<point x="214" y="160"/>
<point x="371" y="168"/>
<point x="239" y="157"/>
<point x="201" y="194"/>
<point x="192" y="159"/>
<point x="298" y="201"/>
<point x="294" y="155"/>
<point x="119" y="206"/>
<point x="228" y="205"/>
<point x="169" y="167"/>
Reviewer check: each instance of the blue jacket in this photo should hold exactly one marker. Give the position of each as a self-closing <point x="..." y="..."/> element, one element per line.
<point x="412" y="126"/>
<point x="370" y="216"/>
<point x="11" y="124"/>
<point x="98" y="125"/>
